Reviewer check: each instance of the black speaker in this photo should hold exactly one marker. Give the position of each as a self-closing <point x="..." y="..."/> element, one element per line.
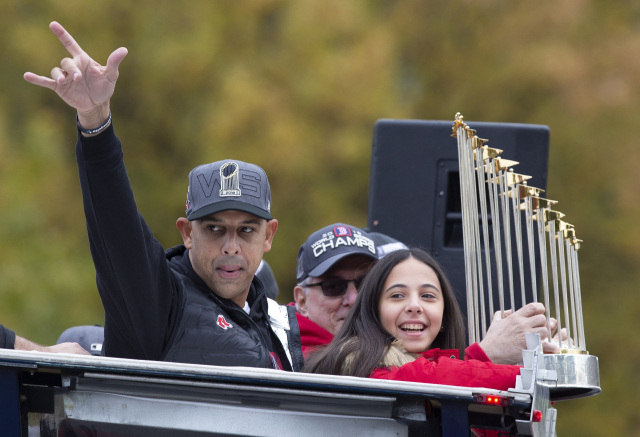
<point x="414" y="190"/>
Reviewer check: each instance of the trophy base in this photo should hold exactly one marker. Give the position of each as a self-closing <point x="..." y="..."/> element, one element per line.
<point x="578" y="375"/>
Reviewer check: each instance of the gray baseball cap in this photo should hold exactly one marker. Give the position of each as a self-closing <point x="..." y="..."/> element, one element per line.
<point x="228" y="185"/>
<point x="329" y="245"/>
<point x="386" y="244"/>
<point x="90" y="338"/>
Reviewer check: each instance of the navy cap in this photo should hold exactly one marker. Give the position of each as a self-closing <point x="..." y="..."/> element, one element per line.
<point x="329" y="245"/>
<point x="228" y="185"/>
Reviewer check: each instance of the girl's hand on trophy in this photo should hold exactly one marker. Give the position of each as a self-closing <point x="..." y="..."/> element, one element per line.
<point x="549" y="347"/>
<point x="505" y="338"/>
<point x="565" y="336"/>
<point x="554" y="344"/>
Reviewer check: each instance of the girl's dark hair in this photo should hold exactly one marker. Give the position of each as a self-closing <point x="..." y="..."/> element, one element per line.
<point x="362" y="337"/>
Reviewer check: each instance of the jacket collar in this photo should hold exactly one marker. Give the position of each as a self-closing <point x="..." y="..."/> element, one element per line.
<point x="398" y="356"/>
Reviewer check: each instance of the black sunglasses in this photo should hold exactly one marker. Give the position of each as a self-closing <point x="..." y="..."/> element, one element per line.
<point x="336" y="287"/>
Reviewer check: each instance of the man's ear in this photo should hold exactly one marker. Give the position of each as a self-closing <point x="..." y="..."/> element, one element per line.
<point x="301" y="300"/>
<point x="272" y="227"/>
<point x="184" y="226"/>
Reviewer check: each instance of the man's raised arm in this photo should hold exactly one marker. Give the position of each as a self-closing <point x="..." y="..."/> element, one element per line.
<point x="81" y="82"/>
<point x="132" y="274"/>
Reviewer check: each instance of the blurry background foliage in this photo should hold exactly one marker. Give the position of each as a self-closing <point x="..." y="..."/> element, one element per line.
<point x="296" y="87"/>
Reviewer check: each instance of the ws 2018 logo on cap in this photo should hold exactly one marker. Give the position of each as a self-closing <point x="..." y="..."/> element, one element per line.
<point x="222" y="322"/>
<point x="230" y="180"/>
<point x="342" y="231"/>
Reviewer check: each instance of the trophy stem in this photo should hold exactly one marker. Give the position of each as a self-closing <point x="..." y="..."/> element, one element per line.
<point x="476" y="254"/>
<point x="554" y="272"/>
<point x="543" y="264"/>
<point x="462" y="137"/>
<point x="482" y="191"/>
<point x="571" y="292"/>
<point x="504" y="192"/>
<point x="563" y="276"/>
<point x="517" y="223"/>
<point x="578" y="298"/>
<point x="495" y="221"/>
<point x="531" y="244"/>
<point x="479" y="166"/>
<point x="472" y="232"/>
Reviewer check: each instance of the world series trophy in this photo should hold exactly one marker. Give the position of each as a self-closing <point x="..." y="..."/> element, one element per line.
<point x="492" y="192"/>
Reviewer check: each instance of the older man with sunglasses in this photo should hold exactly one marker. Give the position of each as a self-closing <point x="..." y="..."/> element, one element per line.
<point x="331" y="264"/>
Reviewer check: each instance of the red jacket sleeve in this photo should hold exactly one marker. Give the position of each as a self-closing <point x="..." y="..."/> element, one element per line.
<point x="475" y="352"/>
<point x="443" y="370"/>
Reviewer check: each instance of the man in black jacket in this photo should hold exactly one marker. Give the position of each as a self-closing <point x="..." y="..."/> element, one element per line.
<point x="198" y="302"/>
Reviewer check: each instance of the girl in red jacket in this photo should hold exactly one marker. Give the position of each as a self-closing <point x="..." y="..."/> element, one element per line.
<point x="406" y="325"/>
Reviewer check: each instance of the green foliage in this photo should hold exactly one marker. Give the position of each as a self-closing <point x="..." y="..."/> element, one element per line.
<point x="296" y="86"/>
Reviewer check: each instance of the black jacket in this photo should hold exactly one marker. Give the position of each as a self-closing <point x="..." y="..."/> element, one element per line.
<point x="150" y="297"/>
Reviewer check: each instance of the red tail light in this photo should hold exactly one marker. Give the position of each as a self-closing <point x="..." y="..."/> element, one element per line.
<point x="501" y="401"/>
<point x="536" y="416"/>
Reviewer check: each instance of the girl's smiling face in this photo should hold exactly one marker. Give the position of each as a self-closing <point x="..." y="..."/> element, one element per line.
<point x="411" y="305"/>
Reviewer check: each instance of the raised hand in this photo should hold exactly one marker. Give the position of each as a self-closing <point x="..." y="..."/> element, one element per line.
<point x="80" y="81"/>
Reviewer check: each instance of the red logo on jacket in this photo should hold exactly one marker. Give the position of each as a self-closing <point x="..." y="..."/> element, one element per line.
<point x="222" y="322"/>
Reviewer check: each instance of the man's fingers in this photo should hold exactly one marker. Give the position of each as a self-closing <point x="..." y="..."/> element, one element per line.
<point x="58" y="75"/>
<point x="554" y="324"/>
<point x="531" y="309"/>
<point x="71" y="69"/>
<point x="65" y="38"/>
<point x="542" y="330"/>
<point x="550" y="348"/>
<point x="114" y="61"/>
<point x="498" y="315"/>
<point x="564" y="334"/>
<point x="538" y="321"/>
<point x="40" y="80"/>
